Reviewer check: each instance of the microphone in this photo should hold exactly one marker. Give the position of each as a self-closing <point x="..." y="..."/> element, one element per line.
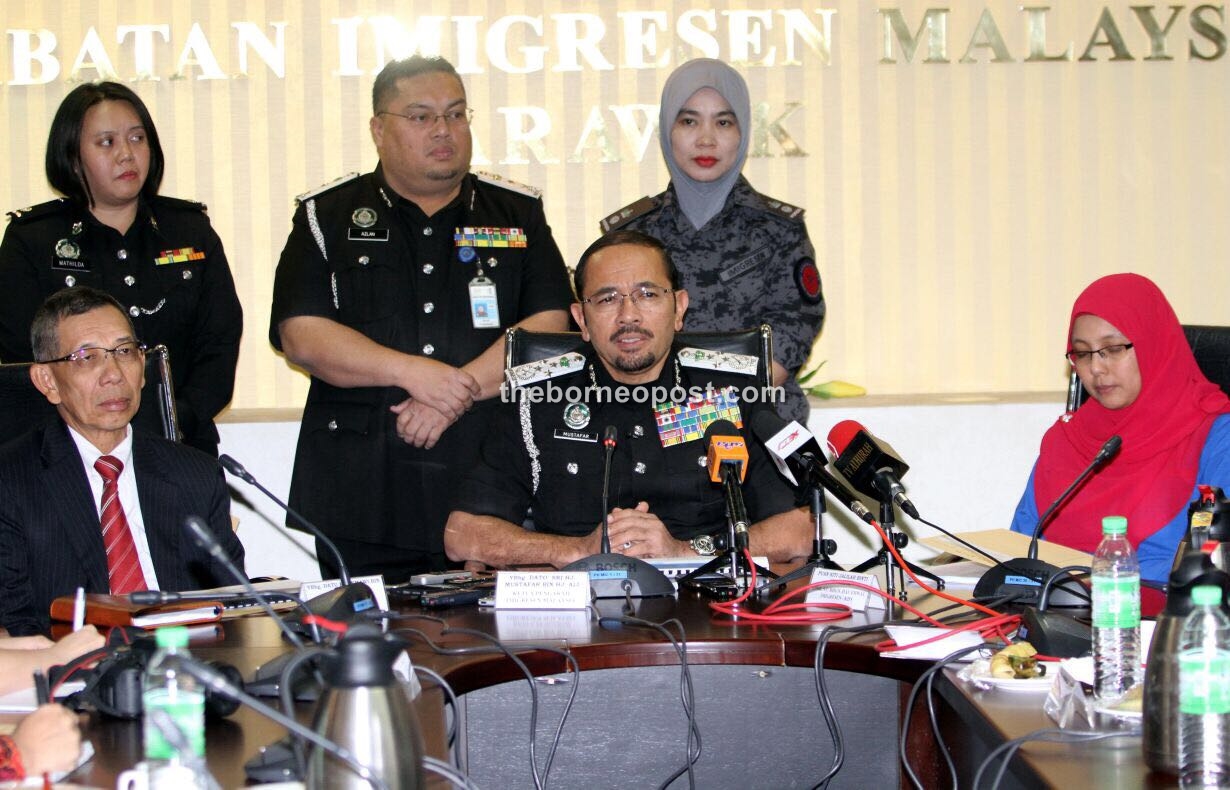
<point x="727" y="457"/>
<point x="265" y="680"/>
<point x="1108" y="451"/>
<point x="871" y="466"/>
<point x="614" y="575"/>
<point x="609" y="434"/>
<point x="795" y="452"/>
<point x="216" y="681"/>
<point x="344" y="603"/>
<point x="1022" y="578"/>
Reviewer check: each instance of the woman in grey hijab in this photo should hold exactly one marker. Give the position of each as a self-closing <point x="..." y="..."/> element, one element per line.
<point x="744" y="258"/>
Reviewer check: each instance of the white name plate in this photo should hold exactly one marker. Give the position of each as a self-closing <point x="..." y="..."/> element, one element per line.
<point x="541" y="590"/>
<point x="376" y="583"/>
<point x="856" y="598"/>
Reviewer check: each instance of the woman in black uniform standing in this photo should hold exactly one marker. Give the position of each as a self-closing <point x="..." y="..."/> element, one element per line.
<point x="157" y="255"/>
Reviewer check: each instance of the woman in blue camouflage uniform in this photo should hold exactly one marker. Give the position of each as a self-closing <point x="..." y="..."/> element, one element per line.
<point x="745" y="258"/>
<point x="157" y="255"/>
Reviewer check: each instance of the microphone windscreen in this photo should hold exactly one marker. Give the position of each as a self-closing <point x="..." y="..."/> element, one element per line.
<point x="841" y="434"/>
<point x="766" y="425"/>
<point x="609" y="435"/>
<point x="725" y="445"/>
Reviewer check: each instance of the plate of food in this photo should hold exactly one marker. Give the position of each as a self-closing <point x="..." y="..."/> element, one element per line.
<point x="1015" y="668"/>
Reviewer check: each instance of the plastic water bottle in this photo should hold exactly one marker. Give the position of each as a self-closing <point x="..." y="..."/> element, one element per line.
<point x="1116" y="613"/>
<point x="1204" y="692"/>
<point x="177" y="694"/>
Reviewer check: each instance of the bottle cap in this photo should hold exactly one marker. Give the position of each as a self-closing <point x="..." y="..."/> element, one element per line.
<point x="171" y="636"/>
<point x="1206" y="595"/>
<point x="1114" y="525"/>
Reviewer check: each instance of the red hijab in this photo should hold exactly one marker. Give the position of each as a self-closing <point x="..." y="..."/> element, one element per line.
<point x="1163" y="430"/>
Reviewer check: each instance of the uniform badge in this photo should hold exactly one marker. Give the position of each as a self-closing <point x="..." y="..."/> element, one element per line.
<point x="364" y="217"/>
<point x="466" y="254"/>
<point x="67" y="250"/>
<point x="576" y="415"/>
<point x="78" y="226"/>
<point x="490" y="237"/>
<point x="807" y="278"/>
<point x="543" y="369"/>
<point x="181" y="255"/>
<point x="722" y="361"/>
<point x="685" y="422"/>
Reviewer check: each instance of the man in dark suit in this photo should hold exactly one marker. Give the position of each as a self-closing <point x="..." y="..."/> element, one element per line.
<point x="86" y="501"/>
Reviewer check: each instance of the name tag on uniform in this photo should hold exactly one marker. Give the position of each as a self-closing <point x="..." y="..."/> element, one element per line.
<point x="368" y="234"/>
<point x="484" y="309"/>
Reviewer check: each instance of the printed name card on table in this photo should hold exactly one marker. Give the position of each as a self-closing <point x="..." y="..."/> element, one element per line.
<point x="542" y="590"/>
<point x="856" y="598"/>
<point x="376" y="583"/>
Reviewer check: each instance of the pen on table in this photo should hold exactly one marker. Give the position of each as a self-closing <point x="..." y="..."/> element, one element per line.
<point x="79" y="610"/>
<point x="42" y="693"/>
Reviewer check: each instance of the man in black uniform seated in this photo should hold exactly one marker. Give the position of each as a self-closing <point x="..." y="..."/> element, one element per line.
<point x="545" y="452"/>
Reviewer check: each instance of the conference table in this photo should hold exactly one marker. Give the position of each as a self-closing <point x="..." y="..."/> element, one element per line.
<point x="754" y="686"/>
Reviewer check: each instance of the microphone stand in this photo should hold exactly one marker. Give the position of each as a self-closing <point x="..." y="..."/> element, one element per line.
<point x="884" y="557"/>
<point x="821" y="547"/>
<point x="731" y="563"/>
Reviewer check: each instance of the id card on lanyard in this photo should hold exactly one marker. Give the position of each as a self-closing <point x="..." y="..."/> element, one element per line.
<point x="484" y="307"/>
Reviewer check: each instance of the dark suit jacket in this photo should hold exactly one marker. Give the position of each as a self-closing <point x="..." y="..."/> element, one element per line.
<point x="50" y="539"/>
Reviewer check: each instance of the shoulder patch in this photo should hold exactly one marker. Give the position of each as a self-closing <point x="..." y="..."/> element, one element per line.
<point x="628" y="213"/>
<point x="807" y="278"/>
<point x="725" y="362"/>
<point x="180" y="203"/>
<point x="41" y="210"/>
<point x="514" y="186"/>
<point x="323" y="188"/>
<point x="543" y="369"/>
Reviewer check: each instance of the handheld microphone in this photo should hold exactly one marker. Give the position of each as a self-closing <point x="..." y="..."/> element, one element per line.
<point x="1022" y="578"/>
<point x="871" y="466"/>
<point x="611" y="574"/>
<point x="727" y="463"/>
<point x="795" y="452"/>
<point x="343" y="603"/>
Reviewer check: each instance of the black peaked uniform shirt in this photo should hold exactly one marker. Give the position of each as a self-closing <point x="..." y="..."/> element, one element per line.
<point x="170" y="273"/>
<point x="535" y="457"/>
<point x="363" y="256"/>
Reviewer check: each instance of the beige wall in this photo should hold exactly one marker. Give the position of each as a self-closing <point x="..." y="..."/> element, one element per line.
<point x="956" y="207"/>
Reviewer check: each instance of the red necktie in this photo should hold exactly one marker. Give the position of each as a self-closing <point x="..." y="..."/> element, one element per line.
<point x="123" y="567"/>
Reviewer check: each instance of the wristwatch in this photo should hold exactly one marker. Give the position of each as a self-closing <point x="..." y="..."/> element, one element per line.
<point x="704" y="545"/>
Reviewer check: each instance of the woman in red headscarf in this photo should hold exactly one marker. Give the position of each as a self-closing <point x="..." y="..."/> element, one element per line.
<point x="1128" y="348"/>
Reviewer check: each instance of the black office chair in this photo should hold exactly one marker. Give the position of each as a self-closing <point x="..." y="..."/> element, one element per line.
<point x="1211" y="347"/>
<point x="522" y="346"/>
<point x="23" y="407"/>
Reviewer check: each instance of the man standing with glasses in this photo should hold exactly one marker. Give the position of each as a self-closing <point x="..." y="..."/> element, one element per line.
<point x="544" y="452"/>
<point x="394" y="291"/>
<point x="86" y="501"/>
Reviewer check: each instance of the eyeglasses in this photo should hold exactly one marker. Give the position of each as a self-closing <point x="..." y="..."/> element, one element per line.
<point x="91" y="357"/>
<point x="646" y="297"/>
<point x="427" y="120"/>
<point x="1105" y="353"/>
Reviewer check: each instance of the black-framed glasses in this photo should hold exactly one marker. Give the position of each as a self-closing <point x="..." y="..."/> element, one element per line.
<point x="90" y="357"/>
<point x="646" y="297"/>
<point x="1112" y="353"/>
<point x="427" y="120"/>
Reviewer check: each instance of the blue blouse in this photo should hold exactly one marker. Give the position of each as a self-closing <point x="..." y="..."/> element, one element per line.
<point x="1156" y="552"/>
